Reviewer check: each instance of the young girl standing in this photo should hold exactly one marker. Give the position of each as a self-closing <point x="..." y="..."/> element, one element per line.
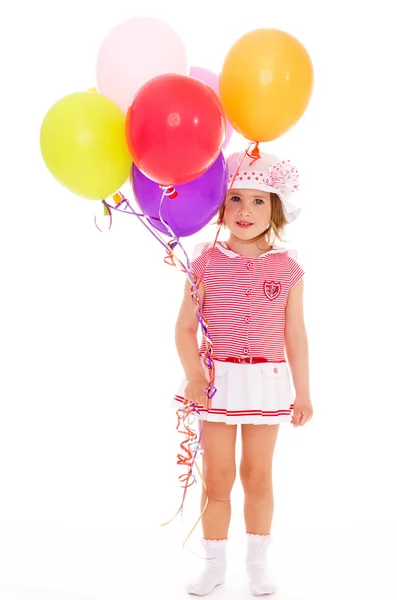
<point x="252" y="297"/>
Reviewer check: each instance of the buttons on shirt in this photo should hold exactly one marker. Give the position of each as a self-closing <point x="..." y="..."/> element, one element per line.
<point x="248" y="292"/>
<point x="247" y="319"/>
<point x="245" y="350"/>
<point x="249" y="265"/>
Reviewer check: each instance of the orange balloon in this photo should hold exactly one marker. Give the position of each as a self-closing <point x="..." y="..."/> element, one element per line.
<point x="266" y="83"/>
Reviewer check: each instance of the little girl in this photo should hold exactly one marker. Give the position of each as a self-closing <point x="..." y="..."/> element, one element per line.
<point x="252" y="297"/>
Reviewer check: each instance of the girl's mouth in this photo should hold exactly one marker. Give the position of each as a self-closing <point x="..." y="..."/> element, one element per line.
<point x="243" y="224"/>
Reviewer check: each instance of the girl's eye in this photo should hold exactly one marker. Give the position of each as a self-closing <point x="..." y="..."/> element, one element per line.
<point x="259" y="201"/>
<point x="235" y="198"/>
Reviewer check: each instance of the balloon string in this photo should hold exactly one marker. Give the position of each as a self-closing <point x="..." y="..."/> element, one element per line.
<point x="195" y="296"/>
<point x="186" y="269"/>
<point x="122" y="206"/>
<point x="187" y="457"/>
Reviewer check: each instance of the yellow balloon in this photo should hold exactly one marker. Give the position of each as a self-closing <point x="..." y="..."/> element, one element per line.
<point x="82" y="141"/>
<point x="266" y="83"/>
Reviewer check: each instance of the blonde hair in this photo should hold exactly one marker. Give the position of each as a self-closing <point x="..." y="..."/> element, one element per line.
<point x="277" y="220"/>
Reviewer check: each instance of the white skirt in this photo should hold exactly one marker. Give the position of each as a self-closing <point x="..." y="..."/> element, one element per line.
<point x="247" y="393"/>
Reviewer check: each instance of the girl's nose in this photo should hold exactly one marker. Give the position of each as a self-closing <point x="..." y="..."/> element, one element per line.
<point x="244" y="210"/>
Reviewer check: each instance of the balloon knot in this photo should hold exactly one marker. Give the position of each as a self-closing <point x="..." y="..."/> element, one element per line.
<point x="169" y="191"/>
<point x="254" y="154"/>
<point x="118" y="197"/>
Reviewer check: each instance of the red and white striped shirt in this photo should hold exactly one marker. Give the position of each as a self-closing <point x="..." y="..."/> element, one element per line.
<point x="245" y="300"/>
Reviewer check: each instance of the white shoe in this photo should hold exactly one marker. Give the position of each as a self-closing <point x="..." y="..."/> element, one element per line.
<point x="256" y="562"/>
<point x="213" y="573"/>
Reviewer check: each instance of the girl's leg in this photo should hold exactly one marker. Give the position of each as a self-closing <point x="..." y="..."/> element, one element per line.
<point x="258" y="443"/>
<point x="219" y="471"/>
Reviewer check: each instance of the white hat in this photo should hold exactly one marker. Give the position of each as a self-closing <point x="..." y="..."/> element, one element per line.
<point x="267" y="173"/>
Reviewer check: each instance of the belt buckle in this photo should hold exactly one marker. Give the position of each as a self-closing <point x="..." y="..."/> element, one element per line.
<point x="246" y="359"/>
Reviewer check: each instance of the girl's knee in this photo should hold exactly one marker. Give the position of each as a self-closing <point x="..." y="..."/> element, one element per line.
<point x="256" y="480"/>
<point x="219" y="481"/>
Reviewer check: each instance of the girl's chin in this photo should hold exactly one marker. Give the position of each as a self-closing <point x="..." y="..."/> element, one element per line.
<point x="244" y="232"/>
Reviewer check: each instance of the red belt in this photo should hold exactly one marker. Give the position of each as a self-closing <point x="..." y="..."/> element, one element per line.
<point x="252" y="360"/>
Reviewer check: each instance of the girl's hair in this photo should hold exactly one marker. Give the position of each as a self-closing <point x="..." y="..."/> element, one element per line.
<point x="277" y="220"/>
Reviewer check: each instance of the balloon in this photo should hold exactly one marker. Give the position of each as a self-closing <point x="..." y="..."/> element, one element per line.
<point x="212" y="79"/>
<point x="195" y="205"/>
<point x="133" y="53"/>
<point x="266" y="84"/>
<point x="175" y="128"/>
<point x="83" y="145"/>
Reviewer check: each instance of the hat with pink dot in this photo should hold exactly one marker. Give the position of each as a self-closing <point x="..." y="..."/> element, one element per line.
<point x="268" y="173"/>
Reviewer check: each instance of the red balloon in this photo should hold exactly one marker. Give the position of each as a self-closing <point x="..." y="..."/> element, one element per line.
<point x="175" y="128"/>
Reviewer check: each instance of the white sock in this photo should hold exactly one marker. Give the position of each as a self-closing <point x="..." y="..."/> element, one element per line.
<point x="214" y="570"/>
<point x="256" y="563"/>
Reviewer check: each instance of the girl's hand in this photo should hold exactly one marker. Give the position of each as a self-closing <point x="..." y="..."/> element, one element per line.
<point x="195" y="392"/>
<point x="303" y="411"/>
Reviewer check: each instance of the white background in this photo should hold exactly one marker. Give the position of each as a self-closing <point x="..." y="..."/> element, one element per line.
<point x="88" y="364"/>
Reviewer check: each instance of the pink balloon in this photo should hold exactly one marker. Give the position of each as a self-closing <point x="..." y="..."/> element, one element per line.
<point x="134" y="52"/>
<point x="212" y="79"/>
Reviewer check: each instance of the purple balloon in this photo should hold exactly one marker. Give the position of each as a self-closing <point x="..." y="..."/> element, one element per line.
<point x="212" y="79"/>
<point x="195" y="205"/>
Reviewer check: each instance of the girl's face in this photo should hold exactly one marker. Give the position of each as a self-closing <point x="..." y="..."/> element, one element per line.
<point x="247" y="212"/>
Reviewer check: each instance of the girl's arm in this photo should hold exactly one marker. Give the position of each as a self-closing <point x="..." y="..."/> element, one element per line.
<point x="296" y="343"/>
<point x="186" y="335"/>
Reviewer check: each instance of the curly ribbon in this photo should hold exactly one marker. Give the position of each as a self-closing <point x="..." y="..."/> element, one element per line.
<point x="189" y="459"/>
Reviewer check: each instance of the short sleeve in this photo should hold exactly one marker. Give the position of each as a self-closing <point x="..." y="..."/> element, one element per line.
<point x="200" y="257"/>
<point x="295" y="270"/>
<point x="199" y="249"/>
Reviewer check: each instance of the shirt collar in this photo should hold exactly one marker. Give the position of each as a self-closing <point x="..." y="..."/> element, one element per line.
<point x="223" y="247"/>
